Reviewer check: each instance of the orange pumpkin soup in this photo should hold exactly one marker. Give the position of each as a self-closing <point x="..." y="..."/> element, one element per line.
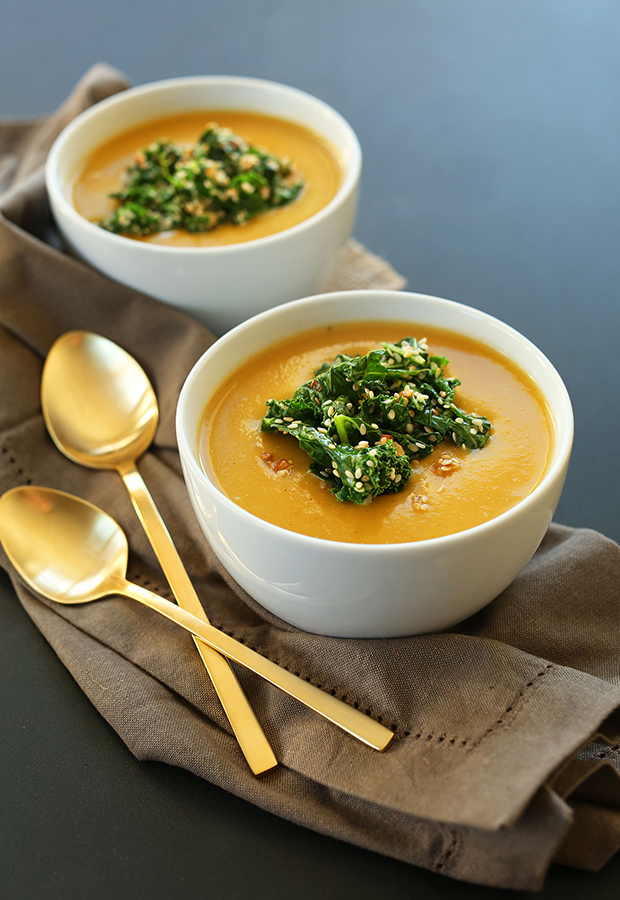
<point x="315" y="162"/>
<point x="440" y="498"/>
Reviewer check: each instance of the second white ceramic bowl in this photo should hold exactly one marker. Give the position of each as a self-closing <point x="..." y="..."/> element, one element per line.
<point x="220" y="286"/>
<point x="371" y="590"/>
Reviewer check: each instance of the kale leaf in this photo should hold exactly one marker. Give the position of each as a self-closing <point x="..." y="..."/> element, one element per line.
<point x="363" y="419"/>
<point x="220" y="179"/>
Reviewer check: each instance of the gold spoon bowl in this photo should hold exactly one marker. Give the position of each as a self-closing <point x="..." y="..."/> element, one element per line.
<point x="99" y="406"/>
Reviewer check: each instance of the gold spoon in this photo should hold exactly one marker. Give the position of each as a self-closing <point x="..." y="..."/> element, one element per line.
<point x="72" y="552"/>
<point x="101" y="411"/>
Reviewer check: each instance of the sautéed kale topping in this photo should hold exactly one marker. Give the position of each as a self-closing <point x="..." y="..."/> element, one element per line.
<point x="219" y="179"/>
<point x="363" y="419"/>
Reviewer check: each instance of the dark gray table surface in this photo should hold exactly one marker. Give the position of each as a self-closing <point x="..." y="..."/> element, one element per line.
<point x="491" y="141"/>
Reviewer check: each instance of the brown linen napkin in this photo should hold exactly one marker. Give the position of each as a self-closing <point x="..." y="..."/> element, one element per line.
<point x="506" y="752"/>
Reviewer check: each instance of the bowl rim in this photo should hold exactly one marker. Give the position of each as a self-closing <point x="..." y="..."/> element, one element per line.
<point x="562" y="420"/>
<point x="349" y="183"/>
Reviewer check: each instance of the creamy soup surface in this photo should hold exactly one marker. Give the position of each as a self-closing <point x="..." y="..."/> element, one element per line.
<point x="314" y="160"/>
<point x="488" y="482"/>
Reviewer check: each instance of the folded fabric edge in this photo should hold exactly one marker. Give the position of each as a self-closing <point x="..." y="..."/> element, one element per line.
<point x="593" y="838"/>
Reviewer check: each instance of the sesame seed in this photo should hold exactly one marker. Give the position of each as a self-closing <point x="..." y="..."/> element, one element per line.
<point x="391" y="414"/>
<point x="454" y="437"/>
<point x="358" y="485"/>
<point x="331" y="411"/>
<point x="278" y="421"/>
<point x="288" y="418"/>
<point x="374" y="425"/>
<point x="358" y="473"/>
<point x="294" y="425"/>
<point x="349" y="474"/>
<point x="459" y="421"/>
<point x="362" y="428"/>
<point x="420" y="445"/>
<point x="322" y="430"/>
<point x="332" y="446"/>
<point x="409" y="428"/>
<point x="398" y="478"/>
<point x="473" y="431"/>
<point x="372" y="452"/>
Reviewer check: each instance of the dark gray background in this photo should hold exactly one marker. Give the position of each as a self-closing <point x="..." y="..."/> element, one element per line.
<point x="491" y="138"/>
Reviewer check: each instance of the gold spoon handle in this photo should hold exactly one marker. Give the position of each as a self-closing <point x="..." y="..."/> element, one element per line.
<point x="245" y="725"/>
<point x="346" y="717"/>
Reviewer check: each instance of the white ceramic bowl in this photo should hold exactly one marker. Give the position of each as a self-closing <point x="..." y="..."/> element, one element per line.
<point x="376" y="590"/>
<point x="220" y="286"/>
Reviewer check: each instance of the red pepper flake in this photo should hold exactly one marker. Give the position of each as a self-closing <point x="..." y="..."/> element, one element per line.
<point x="277" y="465"/>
